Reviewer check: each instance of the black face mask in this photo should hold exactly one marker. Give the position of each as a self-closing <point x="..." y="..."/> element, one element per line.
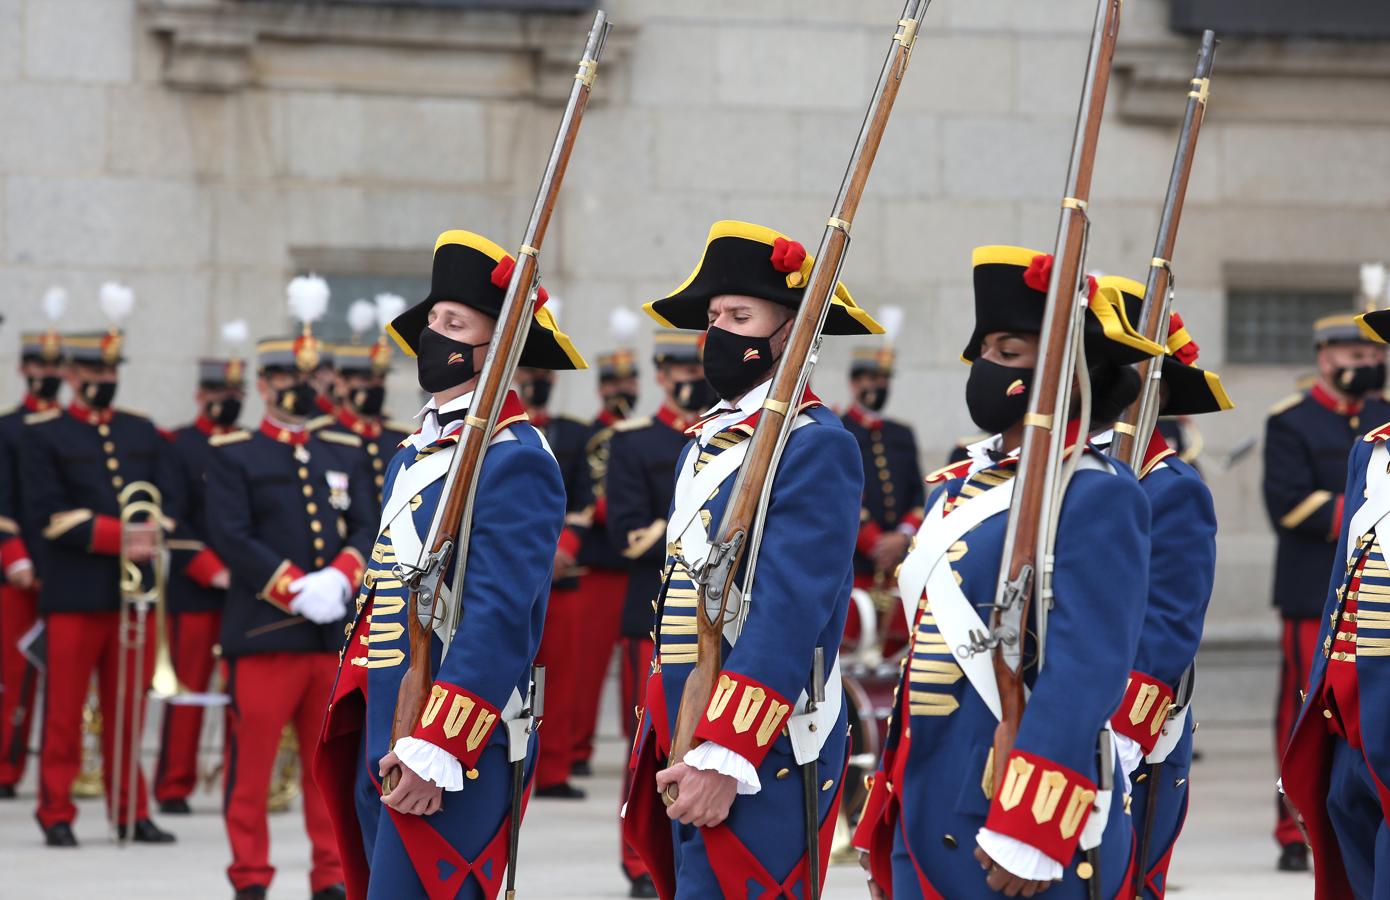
<point x="1360" y="379"/>
<point x="997" y="396"/>
<point x="297" y="400"/>
<point x="620" y="404"/>
<point x="536" y="392"/>
<point x="45" y="387"/>
<point x="696" y="395"/>
<point x="736" y="362"/>
<point x="874" y="399"/>
<point x="443" y="362"/>
<point x="369" y="400"/>
<point x="98" y="394"/>
<point x="223" y="412"/>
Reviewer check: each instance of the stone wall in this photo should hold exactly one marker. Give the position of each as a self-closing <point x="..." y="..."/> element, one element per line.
<point x="204" y="151"/>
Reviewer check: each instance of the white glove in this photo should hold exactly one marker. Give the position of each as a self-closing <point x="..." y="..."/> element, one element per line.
<point x="322" y="596"/>
<point x="1130" y="754"/>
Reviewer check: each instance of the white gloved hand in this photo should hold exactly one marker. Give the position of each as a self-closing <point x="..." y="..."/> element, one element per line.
<point x="322" y="596"/>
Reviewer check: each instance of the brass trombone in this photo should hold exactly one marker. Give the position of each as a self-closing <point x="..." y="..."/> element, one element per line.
<point x="142" y="589"/>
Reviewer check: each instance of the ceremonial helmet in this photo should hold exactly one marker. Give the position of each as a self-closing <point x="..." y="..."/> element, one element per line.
<point x="103" y="347"/>
<point x="1374" y="323"/>
<point x="474" y="271"/>
<point x="755" y="261"/>
<point x="225" y="371"/>
<point x="367" y="316"/>
<point x="307" y="297"/>
<point x="46" y="346"/>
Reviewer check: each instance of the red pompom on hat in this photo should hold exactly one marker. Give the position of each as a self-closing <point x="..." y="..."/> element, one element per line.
<point x="502" y="276"/>
<point x="1039" y="273"/>
<point x="1188" y="352"/>
<point x="787" y="256"/>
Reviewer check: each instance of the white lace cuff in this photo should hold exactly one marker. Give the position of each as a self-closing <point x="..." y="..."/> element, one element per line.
<point x="1131" y="755"/>
<point x="710" y="756"/>
<point x="430" y="762"/>
<point x="19" y="566"/>
<point x="1018" y="858"/>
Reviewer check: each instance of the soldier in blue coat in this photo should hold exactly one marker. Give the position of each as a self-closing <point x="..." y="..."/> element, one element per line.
<point x="1336" y="768"/>
<point x="738" y="828"/>
<point x="443" y="831"/>
<point x="935" y="823"/>
<point x="1307" y="438"/>
<point x="1154" y="720"/>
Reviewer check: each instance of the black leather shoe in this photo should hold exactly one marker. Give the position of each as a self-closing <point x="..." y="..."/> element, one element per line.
<point x="642" y="886"/>
<point x="146" y="832"/>
<point x="1293" y="858"/>
<point x="176" y="807"/>
<point x="332" y="892"/>
<point x="581" y="769"/>
<point x="7" y="792"/>
<point x="60" y="835"/>
<point x="254" y="892"/>
<point x="562" y="791"/>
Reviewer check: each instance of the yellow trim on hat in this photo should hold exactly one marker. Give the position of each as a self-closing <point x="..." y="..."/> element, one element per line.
<point x="1003" y="254"/>
<point x="1109" y="309"/>
<point x="1366" y="329"/>
<point x="546" y="320"/>
<point x="1337" y="319"/>
<point x="1218" y="390"/>
<point x="1177" y="340"/>
<point x="1128" y="285"/>
<point x="477" y="242"/>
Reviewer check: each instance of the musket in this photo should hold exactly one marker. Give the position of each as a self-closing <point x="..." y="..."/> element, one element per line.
<point x="1136" y="424"/>
<point x="752" y="491"/>
<point x="1043" y="471"/>
<point x="448" y="537"/>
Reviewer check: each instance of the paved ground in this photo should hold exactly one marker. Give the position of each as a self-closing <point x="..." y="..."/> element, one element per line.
<point x="569" y="849"/>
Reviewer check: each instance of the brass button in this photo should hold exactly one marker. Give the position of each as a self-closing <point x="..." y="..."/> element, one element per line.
<point x="112" y="465"/>
<point x="950" y="841"/>
<point x="372" y="449"/>
<point x="318" y="562"/>
<point x="380" y="480"/>
<point x="471" y="774"/>
<point x="881" y="460"/>
<point x="104" y="430"/>
<point x="1084" y="870"/>
<point x="318" y="543"/>
<point x="377" y="464"/>
<point x="887" y="489"/>
<point x="883" y="475"/>
<point x="117" y="482"/>
<point x="1327" y="713"/>
<point x="308" y="491"/>
<point x="303" y="472"/>
<point x="311" y="508"/>
<point x="108" y="447"/>
<point x="316" y="526"/>
<point x="878" y="448"/>
<point x="783" y="773"/>
<point x="828" y="783"/>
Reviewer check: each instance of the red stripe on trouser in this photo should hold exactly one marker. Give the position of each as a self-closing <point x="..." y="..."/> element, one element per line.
<point x="268" y="692"/>
<point x="78" y="645"/>
<point x="637" y="663"/>
<point x="1297" y="645"/>
<point x="192" y="635"/>
<point x="602" y="593"/>
<point x="564" y="626"/>
<point x="18" y="611"/>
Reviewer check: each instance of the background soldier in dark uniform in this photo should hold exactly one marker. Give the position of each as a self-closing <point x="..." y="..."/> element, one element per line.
<point x="293" y="513"/>
<point x="565" y="614"/>
<point x="361" y="386"/>
<point x="640" y="483"/>
<point x="1307" y="439"/>
<point x="603" y="584"/>
<point x="198" y="578"/>
<point x="74" y="464"/>
<point x="39" y="358"/>
<point x="893" y="488"/>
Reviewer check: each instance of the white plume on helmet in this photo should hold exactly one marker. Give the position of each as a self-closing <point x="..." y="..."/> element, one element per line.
<point x="622" y="325"/>
<point x="361" y="316"/>
<point x="1373" y="281"/>
<point x="235" y="332"/>
<point x="388" y="307"/>
<point x="308" y="298"/>
<point x="55" y="302"/>
<point x="116" y="301"/>
<point x="891" y="318"/>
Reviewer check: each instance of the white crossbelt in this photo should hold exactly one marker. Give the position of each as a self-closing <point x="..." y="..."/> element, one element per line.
<point x="1368" y="517"/>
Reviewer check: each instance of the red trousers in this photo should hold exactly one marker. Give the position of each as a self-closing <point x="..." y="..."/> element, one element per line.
<point x="78" y="645"/>
<point x="18" y="678"/>
<point x="269" y="691"/>
<point x="637" y="664"/>
<point x="1297" y="646"/>
<point x="192" y="635"/>
<point x="564" y="623"/>
<point x="601" y="593"/>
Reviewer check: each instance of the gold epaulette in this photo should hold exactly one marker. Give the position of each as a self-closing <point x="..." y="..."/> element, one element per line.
<point x="231" y="437"/>
<point x="632" y="424"/>
<point x="338" y="437"/>
<point x="319" y="422"/>
<point x="1286" y="404"/>
<point x="946" y="473"/>
<point x="37" y="418"/>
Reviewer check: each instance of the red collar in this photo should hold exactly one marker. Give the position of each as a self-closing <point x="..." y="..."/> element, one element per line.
<point x="273" y="431"/>
<point x="1327" y="400"/>
<point x="808" y="400"/>
<point x="84" y="413"/>
<point x="673" y="418"/>
<point x="324" y="404"/>
<point x="1157" y="451"/>
<point x="866" y="420"/>
<point x="208" y="427"/>
<point x="607" y="419"/>
<point x="358" y="424"/>
<point x="34" y="404"/>
<point x="512" y="412"/>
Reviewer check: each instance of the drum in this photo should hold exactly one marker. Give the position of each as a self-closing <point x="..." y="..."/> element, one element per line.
<point x="876" y="627"/>
<point x="869" y="694"/>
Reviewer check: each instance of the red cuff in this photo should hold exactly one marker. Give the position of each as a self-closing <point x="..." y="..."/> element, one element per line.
<point x="203" y="567"/>
<point x="1143" y="710"/>
<point x="351" y="564"/>
<point x="913" y="518"/>
<point x="1337" y="507"/>
<point x="277" y="589"/>
<point x="11" y="552"/>
<point x="106" y="535"/>
<point x="744" y="716"/>
<point x="569" y="543"/>
<point x="458" y="722"/>
<point x="869" y="533"/>
<point x="1043" y="804"/>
